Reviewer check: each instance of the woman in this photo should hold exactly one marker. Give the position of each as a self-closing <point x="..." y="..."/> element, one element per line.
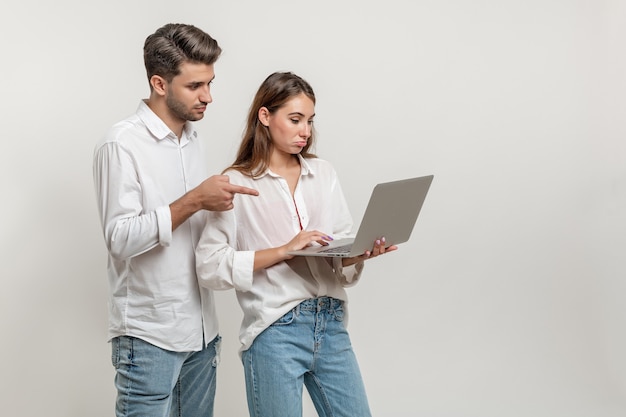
<point x="293" y="330"/>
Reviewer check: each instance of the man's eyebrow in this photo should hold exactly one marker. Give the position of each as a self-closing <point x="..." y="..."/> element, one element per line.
<point x="193" y="82"/>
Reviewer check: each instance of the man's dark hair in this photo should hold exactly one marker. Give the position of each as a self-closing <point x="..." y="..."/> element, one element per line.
<point x="173" y="44"/>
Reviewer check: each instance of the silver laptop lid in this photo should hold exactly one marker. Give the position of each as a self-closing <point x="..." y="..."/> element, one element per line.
<point x="391" y="213"/>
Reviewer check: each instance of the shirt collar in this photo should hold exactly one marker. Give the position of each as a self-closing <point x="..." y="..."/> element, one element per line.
<point x="305" y="169"/>
<point x="158" y="128"/>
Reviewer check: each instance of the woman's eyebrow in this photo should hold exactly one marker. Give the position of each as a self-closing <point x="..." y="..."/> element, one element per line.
<point x="297" y="113"/>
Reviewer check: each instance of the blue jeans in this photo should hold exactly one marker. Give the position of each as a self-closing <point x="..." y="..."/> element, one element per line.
<point x="153" y="382"/>
<point x="309" y="345"/>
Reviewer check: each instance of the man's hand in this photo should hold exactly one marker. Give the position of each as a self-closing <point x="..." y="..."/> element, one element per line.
<point x="216" y="193"/>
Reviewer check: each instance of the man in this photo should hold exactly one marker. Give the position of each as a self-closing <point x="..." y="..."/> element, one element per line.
<point x="151" y="186"/>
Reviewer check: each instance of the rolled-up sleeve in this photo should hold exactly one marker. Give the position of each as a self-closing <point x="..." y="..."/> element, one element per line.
<point x="347" y="275"/>
<point x="218" y="265"/>
<point x="128" y="230"/>
<point x="164" y="221"/>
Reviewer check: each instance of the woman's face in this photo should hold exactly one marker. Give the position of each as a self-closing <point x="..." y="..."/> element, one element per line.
<point x="290" y="126"/>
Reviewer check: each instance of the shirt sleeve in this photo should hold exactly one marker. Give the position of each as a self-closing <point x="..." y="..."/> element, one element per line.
<point x="128" y="230"/>
<point x="218" y="265"/>
<point x="348" y="275"/>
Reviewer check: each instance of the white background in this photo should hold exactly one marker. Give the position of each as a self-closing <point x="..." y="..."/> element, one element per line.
<point x="510" y="298"/>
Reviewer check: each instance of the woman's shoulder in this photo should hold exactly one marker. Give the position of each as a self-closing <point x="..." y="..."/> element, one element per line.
<point x="319" y="164"/>
<point x="237" y="175"/>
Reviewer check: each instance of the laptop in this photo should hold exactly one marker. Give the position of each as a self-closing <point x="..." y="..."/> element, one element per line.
<point x="391" y="213"/>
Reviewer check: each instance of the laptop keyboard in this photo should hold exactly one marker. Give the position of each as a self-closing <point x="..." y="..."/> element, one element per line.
<point x="338" y="249"/>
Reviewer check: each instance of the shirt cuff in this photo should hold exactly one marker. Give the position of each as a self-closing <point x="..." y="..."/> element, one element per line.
<point x="164" y="224"/>
<point x="349" y="275"/>
<point x="243" y="270"/>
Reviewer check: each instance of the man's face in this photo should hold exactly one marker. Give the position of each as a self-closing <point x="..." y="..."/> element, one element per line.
<point x="189" y="92"/>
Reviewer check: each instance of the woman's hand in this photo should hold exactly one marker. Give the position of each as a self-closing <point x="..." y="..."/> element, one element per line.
<point x="305" y="238"/>
<point x="268" y="257"/>
<point x="378" y="249"/>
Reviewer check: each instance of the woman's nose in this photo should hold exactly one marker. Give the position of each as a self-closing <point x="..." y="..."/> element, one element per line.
<point x="305" y="132"/>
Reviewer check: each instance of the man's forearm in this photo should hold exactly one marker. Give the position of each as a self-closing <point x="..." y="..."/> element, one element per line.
<point x="184" y="208"/>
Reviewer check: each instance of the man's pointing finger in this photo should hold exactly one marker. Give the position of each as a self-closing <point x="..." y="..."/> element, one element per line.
<point x="238" y="189"/>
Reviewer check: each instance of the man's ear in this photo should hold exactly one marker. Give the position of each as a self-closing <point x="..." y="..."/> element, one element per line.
<point x="264" y="116"/>
<point x="159" y="85"/>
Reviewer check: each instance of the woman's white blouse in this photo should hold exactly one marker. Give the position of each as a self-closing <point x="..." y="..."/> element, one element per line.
<point x="225" y="252"/>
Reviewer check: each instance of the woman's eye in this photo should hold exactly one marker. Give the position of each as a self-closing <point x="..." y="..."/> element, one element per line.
<point x="295" y="121"/>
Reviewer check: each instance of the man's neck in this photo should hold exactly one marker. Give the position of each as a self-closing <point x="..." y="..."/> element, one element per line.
<point x="158" y="106"/>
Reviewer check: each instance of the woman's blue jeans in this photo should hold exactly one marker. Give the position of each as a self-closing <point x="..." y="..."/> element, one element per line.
<point x="154" y="382"/>
<point x="309" y="345"/>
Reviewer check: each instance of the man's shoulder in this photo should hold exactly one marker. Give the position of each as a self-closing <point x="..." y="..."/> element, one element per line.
<point x="131" y="122"/>
<point x="124" y="130"/>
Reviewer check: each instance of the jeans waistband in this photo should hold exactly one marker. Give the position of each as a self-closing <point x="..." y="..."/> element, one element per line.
<point x="320" y="304"/>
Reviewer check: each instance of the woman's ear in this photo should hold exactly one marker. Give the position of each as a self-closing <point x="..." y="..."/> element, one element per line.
<point x="264" y="116"/>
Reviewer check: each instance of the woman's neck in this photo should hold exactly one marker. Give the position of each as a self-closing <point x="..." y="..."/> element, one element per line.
<point x="288" y="167"/>
<point x="283" y="162"/>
